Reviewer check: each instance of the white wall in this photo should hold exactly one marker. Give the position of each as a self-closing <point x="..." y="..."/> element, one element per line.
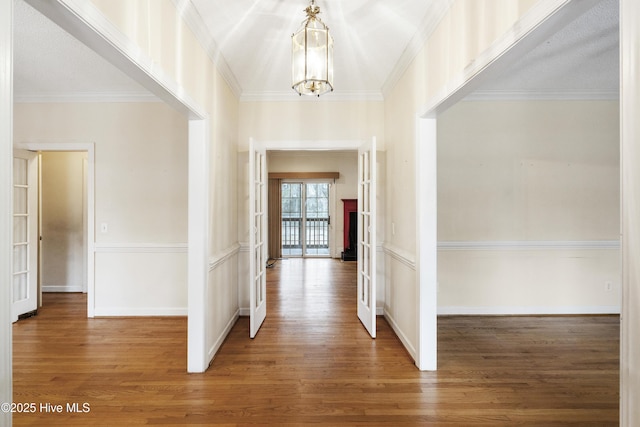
<point x="317" y="119"/>
<point x="63" y="206"/>
<point x="528" y="207"/>
<point x="140" y="194"/>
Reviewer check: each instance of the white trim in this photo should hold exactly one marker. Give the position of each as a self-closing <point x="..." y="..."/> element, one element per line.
<point x="630" y="212"/>
<point x="437" y="10"/>
<point x="69" y="97"/>
<point x="62" y="288"/>
<point x="537" y="95"/>
<point x="400" y="255"/>
<point x="6" y="200"/>
<point x="244" y="311"/>
<point x="526" y="245"/>
<point x="216" y="345"/>
<point x="244" y="247"/>
<point x="192" y="18"/>
<point x="426" y="194"/>
<point x="224" y="256"/>
<point x="90" y="149"/>
<point x="526" y="311"/>
<point x="198" y="246"/>
<point x="400" y="334"/>
<point x="139" y="311"/>
<point x="151" y="248"/>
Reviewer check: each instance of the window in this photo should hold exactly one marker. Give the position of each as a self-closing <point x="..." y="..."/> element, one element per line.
<point x="305" y="218"/>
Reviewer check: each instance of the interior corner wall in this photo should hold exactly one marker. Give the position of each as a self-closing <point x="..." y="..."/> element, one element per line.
<point x="222" y="294"/>
<point x="528" y="208"/>
<point x="140" y="197"/>
<point x="445" y="56"/>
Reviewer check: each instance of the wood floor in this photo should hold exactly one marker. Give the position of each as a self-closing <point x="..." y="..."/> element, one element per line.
<point x="313" y="363"/>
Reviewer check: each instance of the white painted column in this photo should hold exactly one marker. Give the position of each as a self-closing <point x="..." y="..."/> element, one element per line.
<point x="630" y="212"/>
<point x="427" y="244"/>
<point x="198" y="251"/>
<point x="6" y="201"/>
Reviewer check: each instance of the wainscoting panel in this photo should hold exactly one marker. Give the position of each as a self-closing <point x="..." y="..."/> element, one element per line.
<point x="140" y="279"/>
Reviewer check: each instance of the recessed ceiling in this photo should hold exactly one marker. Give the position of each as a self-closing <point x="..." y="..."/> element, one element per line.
<point x="371" y="36"/>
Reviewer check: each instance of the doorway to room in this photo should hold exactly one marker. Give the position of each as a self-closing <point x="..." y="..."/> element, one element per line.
<point x="62" y="204"/>
<point x="305" y="218"/>
<point x="359" y="175"/>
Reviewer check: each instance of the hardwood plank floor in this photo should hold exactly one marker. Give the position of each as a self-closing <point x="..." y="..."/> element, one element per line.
<point x="313" y="363"/>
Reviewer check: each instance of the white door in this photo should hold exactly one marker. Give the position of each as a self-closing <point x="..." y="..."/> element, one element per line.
<point x="257" y="237"/>
<point x="25" y="233"/>
<point x="367" y="236"/>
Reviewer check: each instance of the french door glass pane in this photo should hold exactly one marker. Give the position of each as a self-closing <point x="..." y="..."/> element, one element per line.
<point x="317" y="219"/>
<point x="291" y="218"/>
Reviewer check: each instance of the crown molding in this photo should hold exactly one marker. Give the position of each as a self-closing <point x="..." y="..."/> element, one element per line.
<point x="291" y="96"/>
<point x="192" y="18"/>
<point x="542" y="95"/>
<point x="435" y="13"/>
<point x="71" y="97"/>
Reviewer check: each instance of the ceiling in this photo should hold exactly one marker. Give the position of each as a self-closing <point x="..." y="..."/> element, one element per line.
<point x="372" y="39"/>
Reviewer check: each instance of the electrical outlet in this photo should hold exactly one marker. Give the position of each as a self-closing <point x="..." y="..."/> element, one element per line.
<point x="608" y="286"/>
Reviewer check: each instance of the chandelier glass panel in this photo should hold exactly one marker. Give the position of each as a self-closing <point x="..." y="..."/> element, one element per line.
<point x="312" y="55"/>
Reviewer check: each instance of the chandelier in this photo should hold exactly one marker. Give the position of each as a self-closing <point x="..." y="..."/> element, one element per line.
<point x="312" y="55"/>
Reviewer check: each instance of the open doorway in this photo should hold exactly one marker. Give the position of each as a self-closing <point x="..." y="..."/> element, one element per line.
<point x="311" y="187"/>
<point x="362" y="174"/>
<point x="63" y="205"/>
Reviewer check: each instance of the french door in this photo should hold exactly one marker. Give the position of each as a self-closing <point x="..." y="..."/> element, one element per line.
<point x="257" y="237"/>
<point x="367" y="236"/>
<point x="305" y="218"/>
<point x="25" y="233"/>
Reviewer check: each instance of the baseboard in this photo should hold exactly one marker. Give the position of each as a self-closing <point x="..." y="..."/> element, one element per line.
<point x="523" y="311"/>
<point x="216" y="346"/>
<point x="403" y="338"/>
<point x="139" y="311"/>
<point x="55" y="288"/>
